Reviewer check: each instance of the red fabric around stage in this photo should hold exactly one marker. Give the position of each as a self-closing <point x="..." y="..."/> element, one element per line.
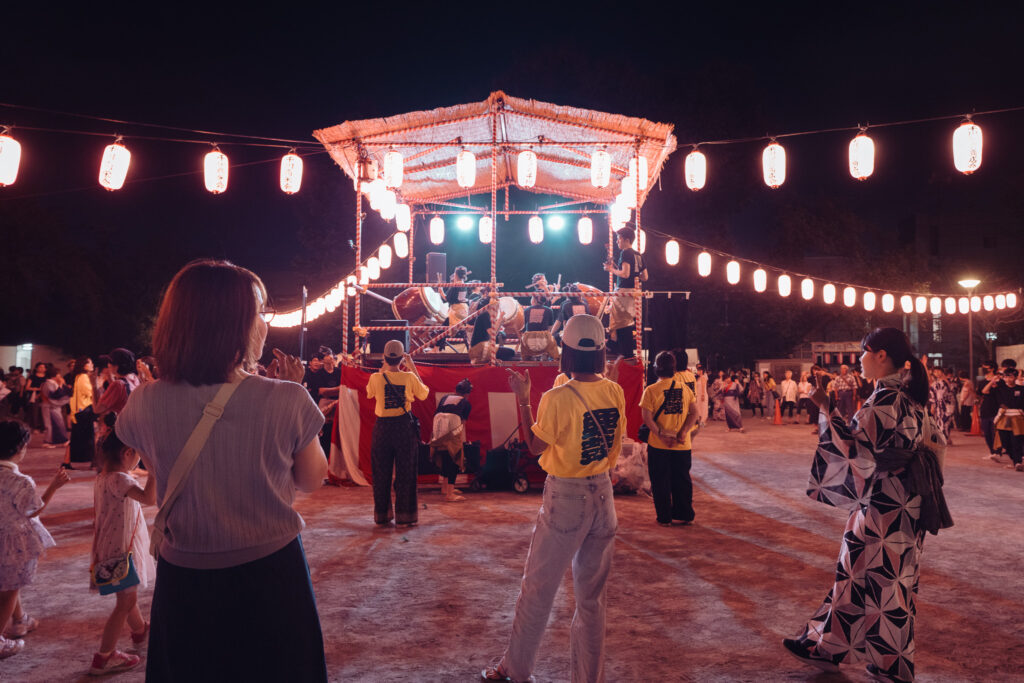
<point x="494" y="417"/>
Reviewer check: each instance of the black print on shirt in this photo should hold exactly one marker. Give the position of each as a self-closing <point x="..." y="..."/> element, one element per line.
<point x="590" y="448"/>
<point x="673" y="401"/>
<point x="394" y="397"/>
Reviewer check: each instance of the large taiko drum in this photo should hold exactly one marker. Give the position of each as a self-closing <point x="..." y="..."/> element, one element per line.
<point x="420" y="306"/>
<point x="510" y="312"/>
<point x="595" y="304"/>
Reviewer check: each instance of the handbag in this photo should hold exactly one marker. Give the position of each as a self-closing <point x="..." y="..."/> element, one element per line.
<point x="644" y="433"/>
<point x="115" y="573"/>
<point x="412" y="418"/>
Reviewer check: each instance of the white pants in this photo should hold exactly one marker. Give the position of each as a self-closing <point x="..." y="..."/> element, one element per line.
<point x="575" y="526"/>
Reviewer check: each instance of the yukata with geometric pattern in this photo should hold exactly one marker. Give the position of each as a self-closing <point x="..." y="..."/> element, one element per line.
<point x="869" y="613"/>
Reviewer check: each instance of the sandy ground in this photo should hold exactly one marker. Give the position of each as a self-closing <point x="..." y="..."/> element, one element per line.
<point x="708" y="602"/>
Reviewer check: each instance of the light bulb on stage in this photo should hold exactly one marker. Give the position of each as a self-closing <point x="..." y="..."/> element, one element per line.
<point x="556" y="222"/>
<point x="464" y="223"/>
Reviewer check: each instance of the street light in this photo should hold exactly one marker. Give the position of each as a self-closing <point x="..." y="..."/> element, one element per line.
<point x="969" y="284"/>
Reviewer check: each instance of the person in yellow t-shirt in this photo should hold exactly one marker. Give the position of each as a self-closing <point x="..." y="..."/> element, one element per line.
<point x="668" y="449"/>
<point x="683" y="373"/>
<point x="394" y="447"/>
<point x="578" y="434"/>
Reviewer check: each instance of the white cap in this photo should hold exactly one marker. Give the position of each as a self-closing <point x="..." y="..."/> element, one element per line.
<point x="394" y="349"/>
<point x="583" y="333"/>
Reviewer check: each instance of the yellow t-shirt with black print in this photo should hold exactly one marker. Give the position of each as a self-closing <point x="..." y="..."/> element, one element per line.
<point x="679" y="400"/>
<point x="574" y="441"/>
<point x="686" y="377"/>
<point x="391" y="401"/>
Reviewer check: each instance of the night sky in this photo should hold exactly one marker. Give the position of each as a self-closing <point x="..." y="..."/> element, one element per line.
<point x="85" y="267"/>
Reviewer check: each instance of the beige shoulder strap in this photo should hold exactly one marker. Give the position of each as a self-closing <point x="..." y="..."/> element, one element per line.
<point x="604" y="440"/>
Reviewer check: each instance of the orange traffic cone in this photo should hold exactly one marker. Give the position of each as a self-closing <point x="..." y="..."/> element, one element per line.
<point x="975" y="422"/>
<point x="778" y="414"/>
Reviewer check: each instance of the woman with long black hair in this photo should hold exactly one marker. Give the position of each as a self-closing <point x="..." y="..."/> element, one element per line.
<point x="885" y="467"/>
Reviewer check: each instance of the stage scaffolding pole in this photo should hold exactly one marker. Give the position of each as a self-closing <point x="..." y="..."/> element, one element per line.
<point x="359" y="261"/>
<point x="638" y="330"/>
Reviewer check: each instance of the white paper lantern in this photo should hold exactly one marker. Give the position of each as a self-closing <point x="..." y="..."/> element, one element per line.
<point x="828" y="293"/>
<point x="600" y="168"/>
<point x="394" y="169"/>
<point x="585" y="230"/>
<point x="403" y="217"/>
<point x="114" y="166"/>
<point x="807" y="289"/>
<point x="773" y="163"/>
<point x="485" y="229"/>
<point x="696" y="170"/>
<point x="967" y="147"/>
<point x="907" y="303"/>
<point x="988" y="303"/>
<point x="975" y="304"/>
<point x="920" y="304"/>
<point x="869" y="301"/>
<point x="373" y="267"/>
<point x="760" y="280"/>
<point x="375" y="191"/>
<point x="536" y="229"/>
<point x="888" y="302"/>
<point x="862" y="157"/>
<point x="642" y="180"/>
<point x="1000" y="301"/>
<point x="1011" y="300"/>
<point x="785" y="285"/>
<point x="465" y="168"/>
<point x="387" y="204"/>
<point x="640" y="241"/>
<point x="732" y="272"/>
<point x="849" y="297"/>
<point x="704" y="264"/>
<point x="620" y="214"/>
<point x="350" y="290"/>
<point x="215" y="171"/>
<point x="950" y="304"/>
<point x="384" y="254"/>
<point x="10" y="159"/>
<point x="364" y="275"/>
<point x="436" y="230"/>
<point x="526" y="169"/>
<point x="935" y="305"/>
<point x="291" y="172"/>
<point x="627" y="196"/>
<point x="963" y="305"/>
<point x="672" y="252"/>
<point x="401" y="244"/>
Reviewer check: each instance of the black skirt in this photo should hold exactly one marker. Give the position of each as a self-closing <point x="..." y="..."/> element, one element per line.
<point x="83" y="441"/>
<point x="254" y="622"/>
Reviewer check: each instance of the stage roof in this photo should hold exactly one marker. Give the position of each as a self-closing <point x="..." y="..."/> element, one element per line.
<point x="562" y="137"/>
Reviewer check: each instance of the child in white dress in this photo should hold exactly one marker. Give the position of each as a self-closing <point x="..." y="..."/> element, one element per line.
<point x="23" y="538"/>
<point x="121" y="528"/>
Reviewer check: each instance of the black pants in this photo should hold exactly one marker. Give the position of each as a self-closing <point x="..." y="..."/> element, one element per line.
<point x="670" y="484"/>
<point x="988" y="430"/>
<point x="624" y="342"/>
<point x="754" y="407"/>
<point x="812" y="410"/>
<point x="325" y="437"/>
<point x="394" y="451"/>
<point x="449" y="470"/>
<point x="788" y="404"/>
<point x="1012" y="445"/>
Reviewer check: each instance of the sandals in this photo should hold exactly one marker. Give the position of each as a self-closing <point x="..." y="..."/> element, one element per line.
<point x="22" y="627"/>
<point x="454" y="498"/>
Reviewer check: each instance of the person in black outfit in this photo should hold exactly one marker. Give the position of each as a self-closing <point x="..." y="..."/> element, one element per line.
<point x="325" y="389"/>
<point x="629" y="268"/>
<point x="988" y="406"/>
<point x="573" y="306"/>
<point x="538" y="316"/>
<point x="1009" y="421"/>
<point x="448" y="436"/>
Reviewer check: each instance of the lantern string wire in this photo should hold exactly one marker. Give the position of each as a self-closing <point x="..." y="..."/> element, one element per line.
<point x="129" y="136"/>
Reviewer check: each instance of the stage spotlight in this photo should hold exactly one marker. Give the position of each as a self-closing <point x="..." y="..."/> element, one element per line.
<point x="464" y="223"/>
<point x="556" y="222"/>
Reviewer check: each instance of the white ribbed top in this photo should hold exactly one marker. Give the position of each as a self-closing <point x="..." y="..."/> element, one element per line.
<point x="236" y="504"/>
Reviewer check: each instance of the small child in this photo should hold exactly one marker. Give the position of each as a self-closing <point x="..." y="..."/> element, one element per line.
<point x="23" y="538"/>
<point x="121" y="528"/>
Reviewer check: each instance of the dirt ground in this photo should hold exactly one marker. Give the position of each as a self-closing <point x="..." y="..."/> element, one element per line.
<point x="708" y="602"/>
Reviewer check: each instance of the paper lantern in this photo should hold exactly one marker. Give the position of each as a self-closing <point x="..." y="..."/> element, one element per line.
<point x="215" y="171"/>
<point x="760" y="280"/>
<point x="640" y="241"/>
<point x="600" y="168"/>
<point x="403" y="217"/>
<point x="704" y="264"/>
<point x="642" y="179"/>
<point x="988" y="303"/>
<point x="526" y="169"/>
<point x="10" y="159"/>
<point x="1000" y="301"/>
<point x="373" y="267"/>
<point x="935" y="305"/>
<point x="950" y="304"/>
<point x="375" y="191"/>
<point x="963" y="305"/>
<point x="888" y="302"/>
<point x="536" y="229"/>
<point x="465" y="168"/>
<point x="114" y="166"/>
<point x="773" y="163"/>
<point x="350" y="290"/>
<point x="967" y="147"/>
<point x="920" y="304"/>
<point x="485" y="229"/>
<point x="696" y="170"/>
<point x="869" y="301"/>
<point x="627" y="196"/>
<point x="862" y="157"/>
<point x="907" y="303"/>
<point x="619" y="214"/>
<point x="387" y="204"/>
<point x="585" y="230"/>
<point x="828" y="293"/>
<point x="807" y="289"/>
<point x="436" y="230"/>
<point x="1011" y="300"/>
<point x="384" y="254"/>
<point x="401" y="245"/>
<point x="732" y="272"/>
<point x="291" y="172"/>
<point x="849" y="297"/>
<point x="364" y="275"/>
<point x="394" y="169"/>
<point x="672" y="252"/>
<point x="975" y="304"/>
<point x="785" y="285"/>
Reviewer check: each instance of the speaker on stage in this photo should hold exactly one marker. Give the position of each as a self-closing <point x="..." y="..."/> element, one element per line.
<point x="437" y="267"/>
<point x="378" y="338"/>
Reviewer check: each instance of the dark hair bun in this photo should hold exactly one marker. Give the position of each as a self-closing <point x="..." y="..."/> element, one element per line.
<point x="13" y="437"/>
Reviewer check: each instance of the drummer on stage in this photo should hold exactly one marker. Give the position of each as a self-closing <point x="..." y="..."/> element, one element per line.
<point x="539" y="282"/>
<point x="458" y="297"/>
<point x="573" y="306"/>
<point x="536" y="341"/>
<point x="622" y="320"/>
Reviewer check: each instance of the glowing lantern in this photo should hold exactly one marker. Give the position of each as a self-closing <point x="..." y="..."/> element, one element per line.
<point x="807" y="288"/>
<point x="963" y="305"/>
<point x="436" y="230"/>
<point x="1011" y="300"/>
<point x="849" y="296"/>
<point x="628" y="194"/>
<point x="988" y="302"/>
<point x="403" y="217"/>
<point x="760" y="280"/>
<point x="465" y="168"/>
<point x="869" y="301"/>
<point x="373" y="267"/>
<point x="394" y="169"/>
<point x="862" y="157"/>
<point x="696" y="170"/>
<point x="888" y="302"/>
<point x="828" y="293"/>
<point x="10" y="159"/>
<point x="387" y="204"/>
<point x="773" y="162"/>
<point x="1000" y="301"/>
<point x="351" y="280"/>
<point x="732" y="272"/>
<point x="907" y="303"/>
<point x="935" y="305"/>
<point x="672" y="252"/>
<point x="486" y="229"/>
<point x="600" y="168"/>
<point x="585" y="230"/>
<point x="975" y="304"/>
<point x="704" y="264"/>
<point x="527" y="168"/>
<point x="640" y="241"/>
<point x="364" y="275"/>
<point x="375" y="190"/>
<point x="401" y="245"/>
<point x="619" y="214"/>
<point x="114" y="166"/>
<point x="643" y="171"/>
<point x="291" y="172"/>
<point x="536" y="229"/>
<point x="950" y="304"/>
<point x="384" y="254"/>
<point x="920" y="304"/>
<point x="967" y="147"/>
<point x="215" y="171"/>
<point x="785" y="285"/>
